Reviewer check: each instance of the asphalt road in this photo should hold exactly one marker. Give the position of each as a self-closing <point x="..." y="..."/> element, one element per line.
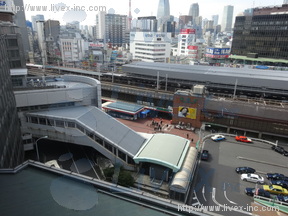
<point x="217" y="183"/>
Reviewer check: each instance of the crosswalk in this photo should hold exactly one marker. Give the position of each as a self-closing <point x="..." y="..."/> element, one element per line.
<point x="169" y="128"/>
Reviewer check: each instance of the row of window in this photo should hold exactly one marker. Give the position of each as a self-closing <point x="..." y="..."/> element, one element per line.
<point x="153" y="50"/>
<point x="92" y="135"/>
<point x="151" y="54"/>
<point x="152" y="45"/>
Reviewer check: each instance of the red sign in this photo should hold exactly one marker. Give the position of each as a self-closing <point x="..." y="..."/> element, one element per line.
<point x="187" y="31"/>
<point x="192" y="47"/>
<point x="216" y="56"/>
<point x="96" y="45"/>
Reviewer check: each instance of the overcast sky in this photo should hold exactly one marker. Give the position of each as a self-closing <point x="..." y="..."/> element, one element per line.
<point x="207" y="8"/>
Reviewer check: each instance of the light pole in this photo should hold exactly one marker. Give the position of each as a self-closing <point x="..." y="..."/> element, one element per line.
<point x="36" y="142"/>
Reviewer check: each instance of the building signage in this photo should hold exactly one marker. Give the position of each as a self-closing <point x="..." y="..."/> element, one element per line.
<point x="217" y="52"/>
<point x="96" y="45"/>
<point x="187" y="31"/>
<point x="187" y="112"/>
<point x="192" y="47"/>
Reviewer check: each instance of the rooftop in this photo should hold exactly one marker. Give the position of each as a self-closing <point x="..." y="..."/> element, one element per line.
<point x="124" y="107"/>
<point x="34" y="191"/>
<point x="164" y="149"/>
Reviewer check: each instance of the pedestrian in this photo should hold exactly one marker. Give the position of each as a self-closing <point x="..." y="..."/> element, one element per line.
<point x="192" y="140"/>
<point x="187" y="135"/>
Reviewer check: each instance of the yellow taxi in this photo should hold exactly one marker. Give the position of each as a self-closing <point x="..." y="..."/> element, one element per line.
<point x="275" y="189"/>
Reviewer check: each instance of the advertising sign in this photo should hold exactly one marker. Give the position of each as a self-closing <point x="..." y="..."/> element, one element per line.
<point x="186" y="112"/>
<point x="187" y="31"/>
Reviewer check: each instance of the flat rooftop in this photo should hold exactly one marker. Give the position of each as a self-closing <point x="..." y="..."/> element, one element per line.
<point x="123" y="107"/>
<point x="164" y="149"/>
<point x="33" y="191"/>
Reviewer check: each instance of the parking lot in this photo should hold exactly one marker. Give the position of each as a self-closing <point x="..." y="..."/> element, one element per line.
<point x="217" y="183"/>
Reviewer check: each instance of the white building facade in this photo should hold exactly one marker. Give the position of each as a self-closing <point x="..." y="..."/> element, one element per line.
<point x="150" y="46"/>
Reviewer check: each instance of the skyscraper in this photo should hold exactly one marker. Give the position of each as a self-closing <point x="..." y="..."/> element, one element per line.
<point x="20" y="21"/>
<point x="163" y="13"/>
<point x="194" y="11"/>
<point x="215" y="19"/>
<point x="227" y="18"/>
<point x="163" y="9"/>
<point x="36" y="18"/>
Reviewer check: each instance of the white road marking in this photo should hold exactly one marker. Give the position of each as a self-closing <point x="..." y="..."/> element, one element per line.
<point x="231" y="208"/>
<point x="203" y="193"/>
<point x="228" y="199"/>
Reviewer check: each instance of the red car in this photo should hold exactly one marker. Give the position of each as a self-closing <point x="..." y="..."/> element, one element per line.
<point x="243" y="139"/>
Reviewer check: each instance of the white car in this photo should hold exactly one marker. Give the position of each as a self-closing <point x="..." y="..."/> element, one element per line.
<point x="218" y="137"/>
<point x="251" y="177"/>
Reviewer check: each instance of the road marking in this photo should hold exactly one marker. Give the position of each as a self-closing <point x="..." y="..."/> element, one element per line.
<point x="231" y="208"/>
<point x="203" y="193"/>
<point x="228" y="199"/>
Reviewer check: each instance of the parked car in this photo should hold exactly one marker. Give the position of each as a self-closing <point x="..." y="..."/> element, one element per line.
<point x="275" y="189"/>
<point x="205" y="155"/>
<point x="276" y="176"/>
<point x="241" y="170"/>
<point x="281" y="183"/>
<point x="243" y="139"/>
<point x="251" y="177"/>
<point x="280" y="150"/>
<point x="259" y="192"/>
<point x="282" y="198"/>
<point x="218" y="137"/>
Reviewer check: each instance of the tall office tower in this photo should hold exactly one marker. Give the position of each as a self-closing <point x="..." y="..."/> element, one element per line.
<point x="11" y="148"/>
<point x="42" y="41"/>
<point x="36" y="18"/>
<point x="52" y="33"/>
<point x="227" y="18"/>
<point x="20" y="21"/>
<point x="147" y="24"/>
<point x="185" y="21"/>
<point x="194" y="11"/>
<point x="215" y="19"/>
<point x="163" y="13"/>
<point x="100" y="25"/>
<point x="255" y="40"/>
<point x="115" y="28"/>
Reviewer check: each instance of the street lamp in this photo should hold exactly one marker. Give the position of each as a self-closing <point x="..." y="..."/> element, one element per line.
<point x="36" y="142"/>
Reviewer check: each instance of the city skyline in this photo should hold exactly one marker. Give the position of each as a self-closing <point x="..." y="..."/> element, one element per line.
<point x="207" y="8"/>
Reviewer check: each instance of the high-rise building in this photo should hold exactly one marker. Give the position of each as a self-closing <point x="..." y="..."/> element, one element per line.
<point x="163" y="13"/>
<point x="11" y="148"/>
<point x="20" y="21"/>
<point x="147" y="24"/>
<point x="194" y="11"/>
<point x="115" y="28"/>
<point x="111" y="28"/>
<point x="215" y="19"/>
<point x="52" y="33"/>
<point x="36" y="18"/>
<point x="100" y="25"/>
<point x="263" y="35"/>
<point x="185" y="21"/>
<point x="227" y="18"/>
<point x="42" y="41"/>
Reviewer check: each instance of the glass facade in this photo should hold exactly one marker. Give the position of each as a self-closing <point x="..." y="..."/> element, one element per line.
<point x="265" y="35"/>
<point x="11" y="149"/>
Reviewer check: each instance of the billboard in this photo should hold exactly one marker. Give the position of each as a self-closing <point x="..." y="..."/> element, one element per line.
<point x="187" y="112"/>
<point x="187" y="31"/>
<point x="217" y="52"/>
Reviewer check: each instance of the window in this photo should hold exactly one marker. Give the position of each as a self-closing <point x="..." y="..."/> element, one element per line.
<point x="71" y="124"/>
<point x="59" y="123"/>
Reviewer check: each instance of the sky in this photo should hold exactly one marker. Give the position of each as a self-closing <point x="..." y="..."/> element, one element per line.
<point x="207" y="8"/>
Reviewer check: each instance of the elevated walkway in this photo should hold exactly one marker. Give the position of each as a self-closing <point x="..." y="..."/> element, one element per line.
<point x="88" y="126"/>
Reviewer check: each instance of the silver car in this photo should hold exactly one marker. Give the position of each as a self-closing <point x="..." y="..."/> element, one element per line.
<point x="251" y="177"/>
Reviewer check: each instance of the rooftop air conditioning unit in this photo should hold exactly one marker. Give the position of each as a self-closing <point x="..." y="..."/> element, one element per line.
<point x="199" y="89"/>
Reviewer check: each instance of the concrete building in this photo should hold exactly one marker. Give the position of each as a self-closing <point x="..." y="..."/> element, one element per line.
<point x="72" y="48"/>
<point x="115" y="28"/>
<point x="186" y="38"/>
<point x="52" y="33"/>
<point x="227" y="18"/>
<point x="146" y="24"/>
<point x="185" y="21"/>
<point x="42" y="41"/>
<point x="150" y="46"/>
<point x="36" y="18"/>
<point x="266" y="34"/>
<point x="100" y="25"/>
<point x="20" y="21"/>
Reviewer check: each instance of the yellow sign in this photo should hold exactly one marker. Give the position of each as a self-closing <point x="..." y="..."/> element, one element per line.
<point x="186" y="112"/>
